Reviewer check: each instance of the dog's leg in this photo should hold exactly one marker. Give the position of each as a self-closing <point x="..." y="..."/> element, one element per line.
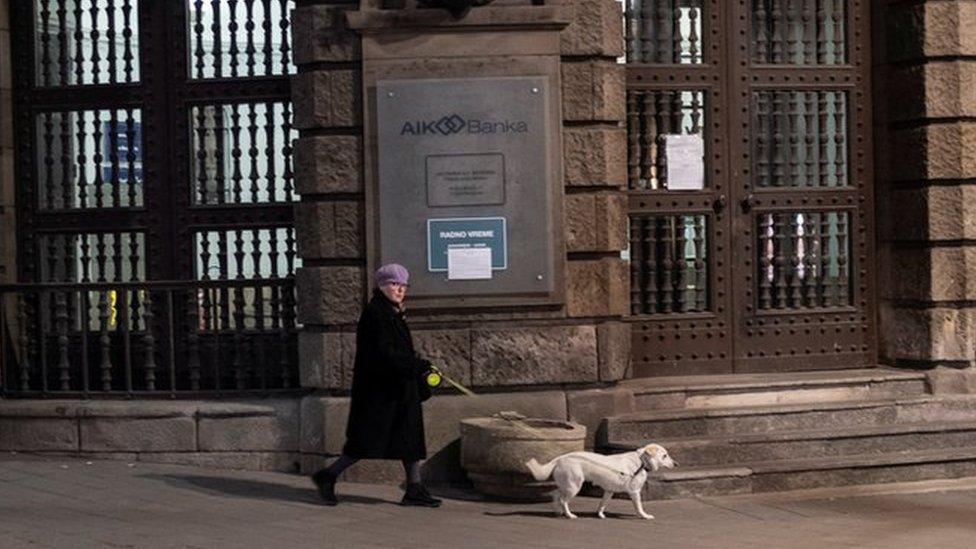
<point x="636" y="498"/>
<point x="568" y="482"/>
<point x="607" y="494"/>
<point x="561" y="501"/>
<point x="566" y="511"/>
<point x="557" y="502"/>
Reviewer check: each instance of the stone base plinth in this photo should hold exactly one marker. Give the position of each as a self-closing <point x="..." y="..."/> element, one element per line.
<point x="297" y="434"/>
<point x="255" y="434"/>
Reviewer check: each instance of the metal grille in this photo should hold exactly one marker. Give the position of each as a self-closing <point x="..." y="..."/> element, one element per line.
<point x="650" y="116"/>
<point x="255" y="253"/>
<point x="93" y="257"/>
<point x="800" y="138"/>
<point x="240" y="38"/>
<point x="148" y="338"/>
<point x="664" y="31"/>
<point x="156" y="247"/>
<point x="90" y="159"/>
<point x="803" y="260"/>
<point x="242" y="153"/>
<point x="668" y="264"/>
<point x="86" y="42"/>
<point x="799" y="32"/>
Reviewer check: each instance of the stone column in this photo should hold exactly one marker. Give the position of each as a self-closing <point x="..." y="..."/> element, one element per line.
<point x="329" y="221"/>
<point x="595" y="164"/>
<point x="925" y="95"/>
<point x="540" y="351"/>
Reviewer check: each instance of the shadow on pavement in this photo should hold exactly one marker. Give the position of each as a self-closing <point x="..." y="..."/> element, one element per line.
<point x="523" y="513"/>
<point x="554" y="516"/>
<point x="456" y="493"/>
<point x="255" y="489"/>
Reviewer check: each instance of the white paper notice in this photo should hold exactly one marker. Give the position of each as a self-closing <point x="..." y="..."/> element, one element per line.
<point x="468" y="263"/>
<point x="685" y="161"/>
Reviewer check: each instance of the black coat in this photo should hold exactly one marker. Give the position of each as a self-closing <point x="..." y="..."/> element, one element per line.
<point x="385" y="417"/>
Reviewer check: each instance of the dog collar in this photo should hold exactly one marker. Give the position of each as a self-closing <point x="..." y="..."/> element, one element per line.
<point x="646" y="463"/>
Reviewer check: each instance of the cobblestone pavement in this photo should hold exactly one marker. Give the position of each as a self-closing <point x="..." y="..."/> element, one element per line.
<point x="50" y="502"/>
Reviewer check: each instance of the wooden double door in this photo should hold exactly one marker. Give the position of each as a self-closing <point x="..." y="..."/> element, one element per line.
<point x="760" y="257"/>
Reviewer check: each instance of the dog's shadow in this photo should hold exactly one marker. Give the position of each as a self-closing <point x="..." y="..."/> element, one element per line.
<point x="554" y="515"/>
<point x="539" y="514"/>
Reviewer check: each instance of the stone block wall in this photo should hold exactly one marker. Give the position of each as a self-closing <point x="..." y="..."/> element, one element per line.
<point x="279" y="434"/>
<point x="594" y="164"/>
<point x="925" y="138"/>
<point x="258" y="435"/>
<point x="581" y="342"/>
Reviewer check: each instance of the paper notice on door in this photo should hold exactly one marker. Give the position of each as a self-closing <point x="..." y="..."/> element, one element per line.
<point x="469" y="263"/>
<point x="685" y="161"/>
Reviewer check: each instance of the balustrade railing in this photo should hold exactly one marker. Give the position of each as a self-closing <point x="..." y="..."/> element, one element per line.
<point x="167" y="339"/>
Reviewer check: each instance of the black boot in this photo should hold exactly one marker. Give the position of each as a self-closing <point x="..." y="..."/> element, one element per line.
<point x="325" y="482"/>
<point x="418" y="496"/>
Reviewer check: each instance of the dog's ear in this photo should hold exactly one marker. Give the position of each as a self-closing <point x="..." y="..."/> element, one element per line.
<point x="649" y="458"/>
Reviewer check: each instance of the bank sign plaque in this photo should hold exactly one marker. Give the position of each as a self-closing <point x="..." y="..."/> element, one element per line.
<point x="464" y="174"/>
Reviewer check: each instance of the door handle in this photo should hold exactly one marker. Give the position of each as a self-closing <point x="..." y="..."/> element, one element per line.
<point x="748" y="202"/>
<point x="719" y="205"/>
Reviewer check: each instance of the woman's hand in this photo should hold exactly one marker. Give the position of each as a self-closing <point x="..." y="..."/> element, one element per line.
<point x="423" y="367"/>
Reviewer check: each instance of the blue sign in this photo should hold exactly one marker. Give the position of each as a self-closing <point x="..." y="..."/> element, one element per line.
<point x="466" y="232"/>
<point x="115" y="138"/>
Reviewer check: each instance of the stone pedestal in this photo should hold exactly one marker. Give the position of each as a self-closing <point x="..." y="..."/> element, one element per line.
<point x="495" y="450"/>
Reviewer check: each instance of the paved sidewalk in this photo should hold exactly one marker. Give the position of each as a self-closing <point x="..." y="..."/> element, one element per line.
<point x="46" y="502"/>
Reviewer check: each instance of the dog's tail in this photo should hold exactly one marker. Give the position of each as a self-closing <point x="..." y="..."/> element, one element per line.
<point x="539" y="471"/>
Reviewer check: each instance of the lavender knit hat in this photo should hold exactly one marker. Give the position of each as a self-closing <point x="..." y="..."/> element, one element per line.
<point x="391" y="273"/>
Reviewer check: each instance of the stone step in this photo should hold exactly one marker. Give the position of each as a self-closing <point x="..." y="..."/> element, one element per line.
<point x="801" y="474"/>
<point x="714" y="391"/>
<point x="801" y="444"/>
<point x="663" y="424"/>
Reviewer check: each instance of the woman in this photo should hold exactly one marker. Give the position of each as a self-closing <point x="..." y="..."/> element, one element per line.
<point x="385" y="417"/>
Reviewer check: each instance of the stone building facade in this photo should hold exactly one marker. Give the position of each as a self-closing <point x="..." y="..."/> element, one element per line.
<point x="582" y="342"/>
<point x="557" y="360"/>
<point x="921" y="97"/>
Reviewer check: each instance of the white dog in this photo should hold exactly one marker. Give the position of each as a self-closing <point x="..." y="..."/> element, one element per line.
<point x="626" y="472"/>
